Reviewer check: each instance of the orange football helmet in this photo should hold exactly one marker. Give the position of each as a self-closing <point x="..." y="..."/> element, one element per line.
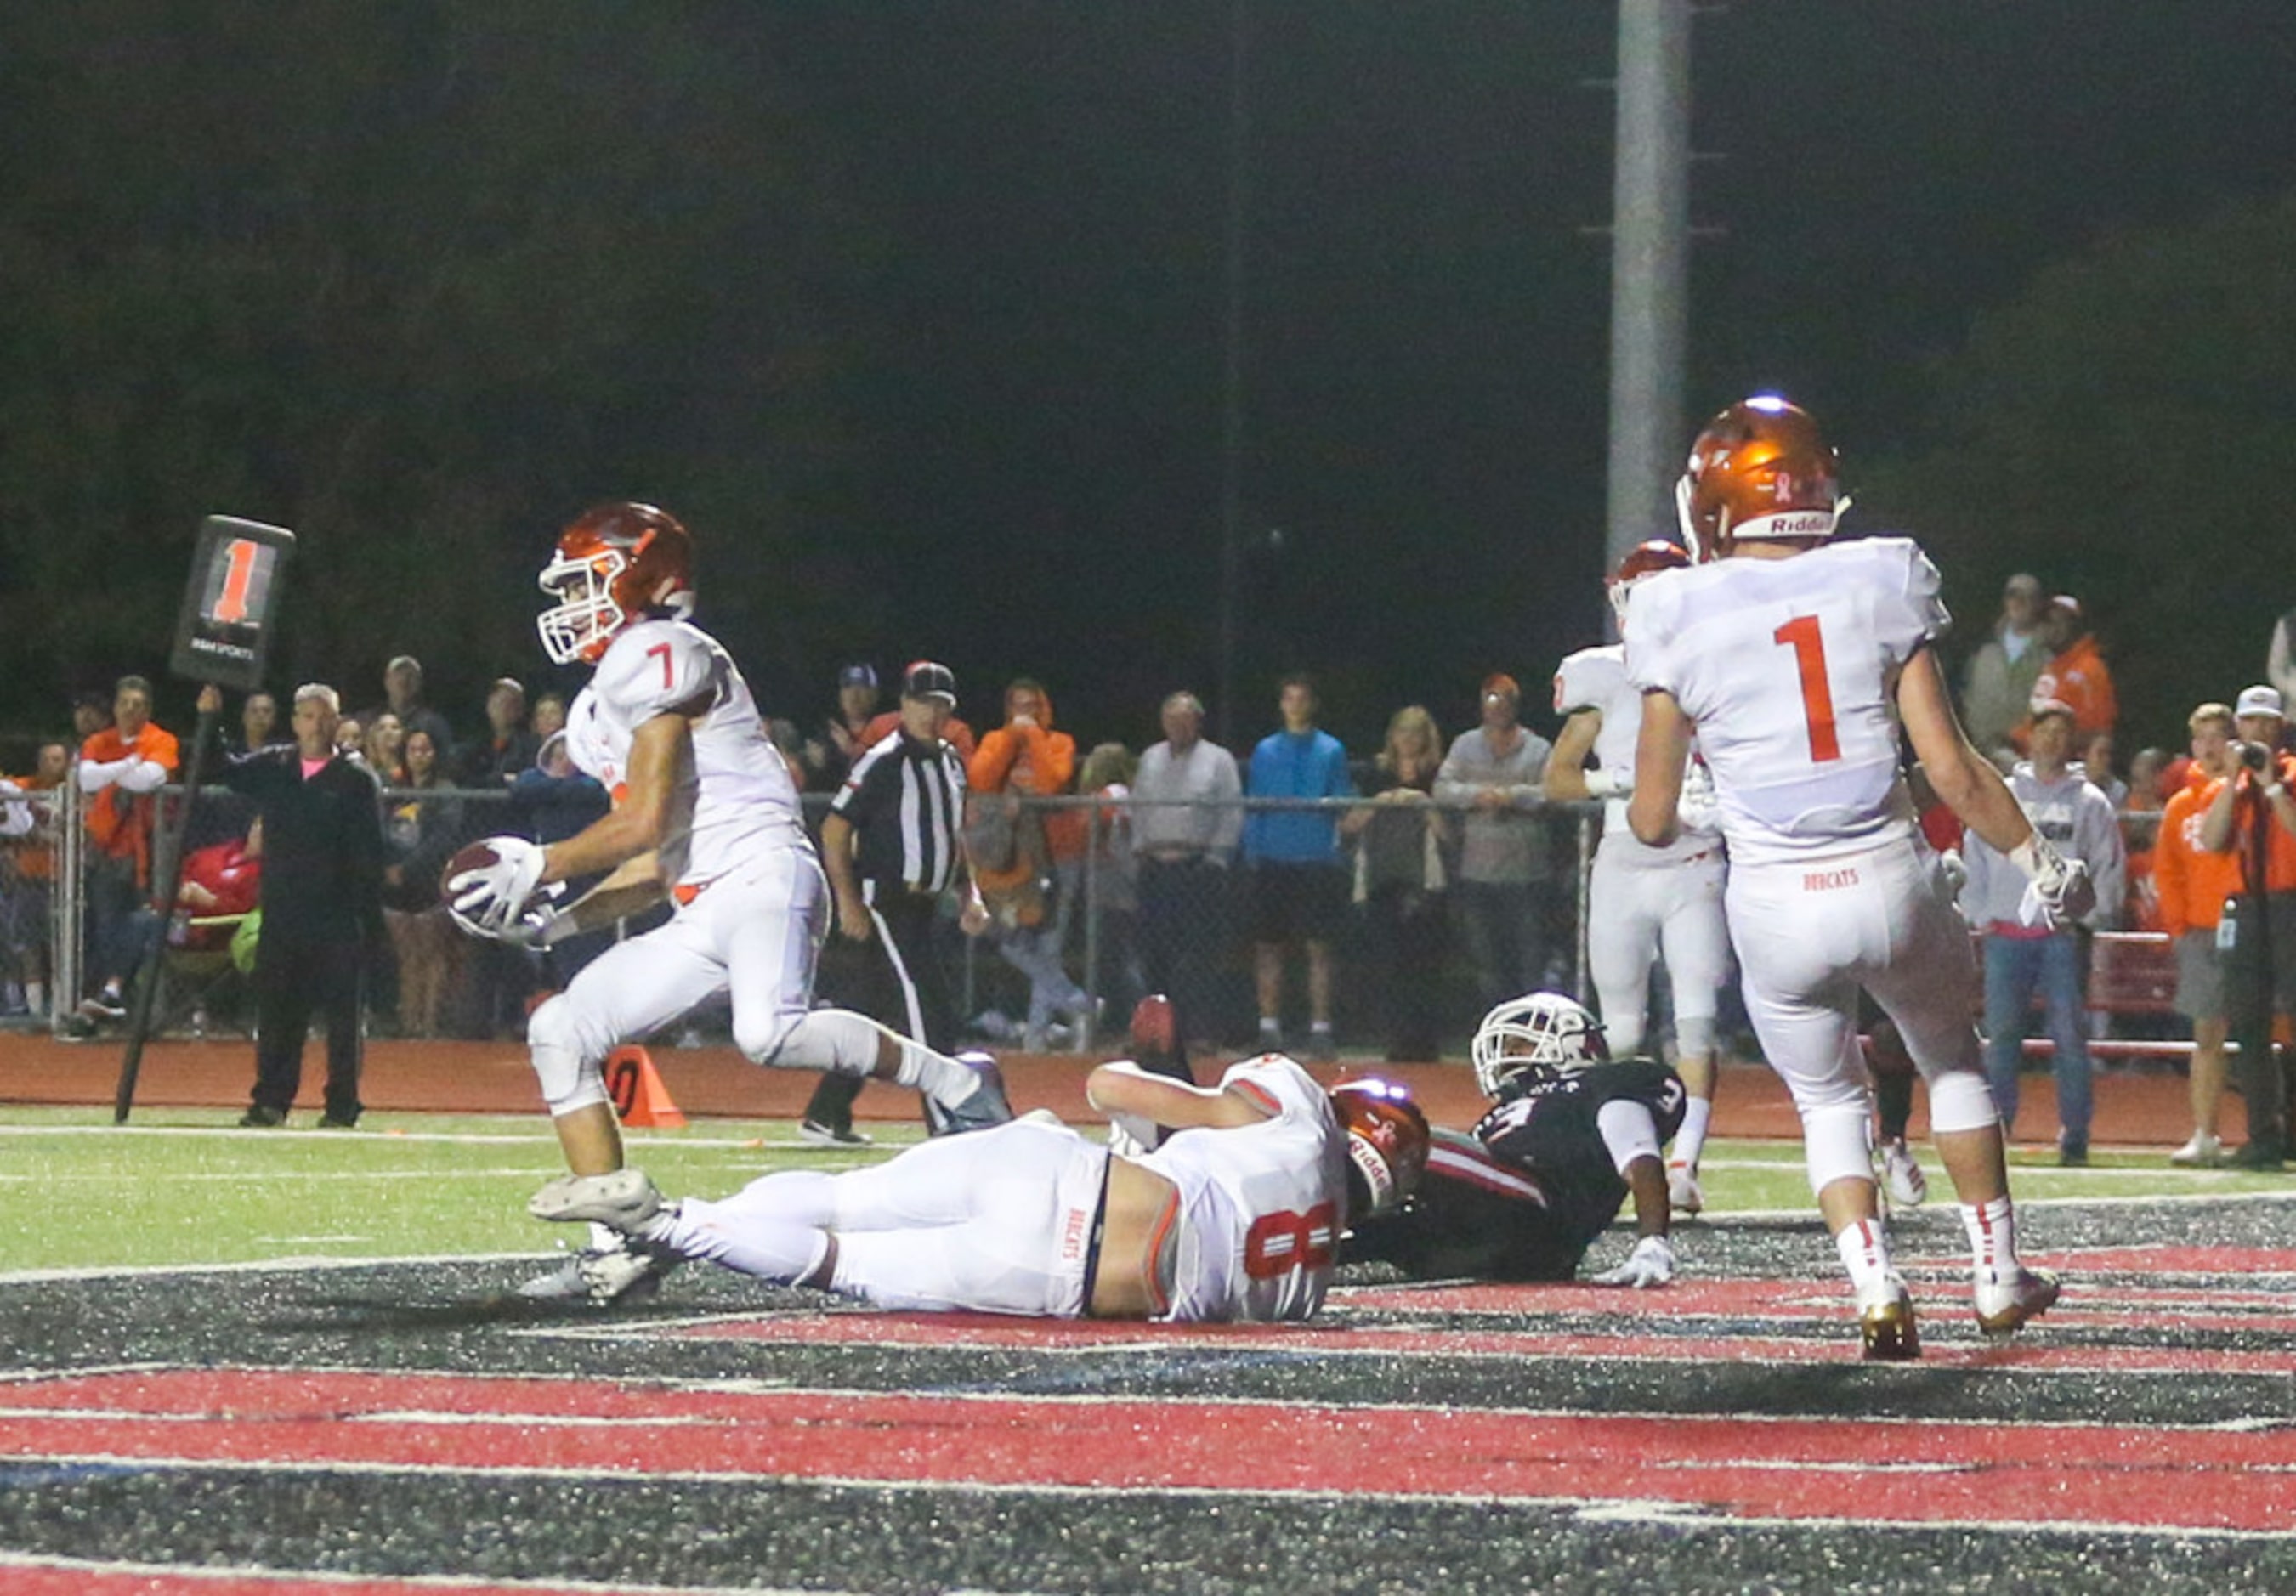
<point x="1387" y="1139"/>
<point x="613" y="564"/>
<point x="1644" y="560"/>
<point x="1761" y="471"/>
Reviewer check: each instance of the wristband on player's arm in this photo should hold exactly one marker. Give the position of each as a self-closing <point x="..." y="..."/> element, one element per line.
<point x="1610" y="783"/>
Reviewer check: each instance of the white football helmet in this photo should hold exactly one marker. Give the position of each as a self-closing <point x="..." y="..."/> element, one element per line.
<point x="1540" y="1033"/>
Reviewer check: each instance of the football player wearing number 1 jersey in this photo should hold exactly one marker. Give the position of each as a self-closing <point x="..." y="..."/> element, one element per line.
<point x="1793" y="660"/>
<point x="1233" y="1211"/>
<point x="705" y="814"/>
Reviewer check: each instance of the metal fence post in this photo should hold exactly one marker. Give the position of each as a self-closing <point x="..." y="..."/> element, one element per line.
<point x="1092" y="907"/>
<point x="67" y="904"/>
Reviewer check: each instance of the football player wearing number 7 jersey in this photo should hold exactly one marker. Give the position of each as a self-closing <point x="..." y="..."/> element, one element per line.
<point x="705" y="814"/>
<point x="1235" y="1214"/>
<point x="1794" y="660"/>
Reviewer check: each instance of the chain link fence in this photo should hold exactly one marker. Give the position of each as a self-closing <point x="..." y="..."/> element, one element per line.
<point x="1413" y="946"/>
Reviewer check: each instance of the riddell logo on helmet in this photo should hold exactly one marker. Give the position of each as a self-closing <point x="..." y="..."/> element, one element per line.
<point x="1808" y="523"/>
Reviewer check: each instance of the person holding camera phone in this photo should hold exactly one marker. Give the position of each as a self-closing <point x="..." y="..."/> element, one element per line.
<point x="2253" y="818"/>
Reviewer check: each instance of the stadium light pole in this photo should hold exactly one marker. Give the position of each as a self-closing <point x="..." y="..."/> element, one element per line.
<point x="1232" y="369"/>
<point x="1650" y="249"/>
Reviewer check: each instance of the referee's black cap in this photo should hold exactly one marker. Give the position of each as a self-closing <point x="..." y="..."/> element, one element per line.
<point x="928" y="679"/>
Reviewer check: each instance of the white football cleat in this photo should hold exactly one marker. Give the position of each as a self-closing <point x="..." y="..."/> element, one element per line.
<point x="622" y="1199"/>
<point x="1901" y="1176"/>
<point x="603" y="1275"/>
<point x="1683" y="1194"/>
<point x="2003" y="1304"/>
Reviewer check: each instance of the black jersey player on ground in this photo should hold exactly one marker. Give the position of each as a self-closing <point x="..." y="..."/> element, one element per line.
<point x="1569" y="1134"/>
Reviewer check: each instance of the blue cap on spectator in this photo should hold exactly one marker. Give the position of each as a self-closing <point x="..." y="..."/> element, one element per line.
<point x="858" y="675"/>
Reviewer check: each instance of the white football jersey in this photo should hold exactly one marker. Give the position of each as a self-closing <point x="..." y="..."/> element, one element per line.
<point x="1789" y="667"/>
<point x="738" y="793"/>
<point x="1595" y="679"/>
<point x="1261" y="1206"/>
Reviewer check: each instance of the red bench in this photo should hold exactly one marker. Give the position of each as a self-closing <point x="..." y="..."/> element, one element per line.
<point x="2131" y="973"/>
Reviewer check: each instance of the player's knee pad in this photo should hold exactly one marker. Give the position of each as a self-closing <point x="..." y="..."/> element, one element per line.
<point x="1960" y="1101"/>
<point x="831" y="1039"/>
<point x="1837" y="1141"/>
<point x="554" y="1047"/>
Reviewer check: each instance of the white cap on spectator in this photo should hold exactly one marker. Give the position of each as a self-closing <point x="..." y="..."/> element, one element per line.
<point x="2259" y="700"/>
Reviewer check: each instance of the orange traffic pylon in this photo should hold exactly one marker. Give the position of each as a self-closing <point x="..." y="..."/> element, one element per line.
<point x="636" y="1086"/>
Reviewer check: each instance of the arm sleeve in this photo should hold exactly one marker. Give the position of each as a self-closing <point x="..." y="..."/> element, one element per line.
<point x="1453" y="782"/>
<point x="1648" y="637"/>
<point x="677" y="667"/>
<point x="94" y="775"/>
<point x="143" y="775"/>
<point x="992" y="761"/>
<point x="1227" y="826"/>
<point x="2169" y="868"/>
<point x="1628" y="1131"/>
<point x="1910" y="612"/>
<point x="1054" y="754"/>
<point x="2108" y="861"/>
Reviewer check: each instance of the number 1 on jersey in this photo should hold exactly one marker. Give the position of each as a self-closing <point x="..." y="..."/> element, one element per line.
<point x="1801" y="636"/>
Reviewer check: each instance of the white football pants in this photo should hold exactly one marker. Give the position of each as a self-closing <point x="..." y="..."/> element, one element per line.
<point x="1636" y="911"/>
<point x="993" y="1222"/>
<point x="1809" y="934"/>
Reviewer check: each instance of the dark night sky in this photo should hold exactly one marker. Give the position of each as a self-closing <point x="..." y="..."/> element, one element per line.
<point x="1032" y="476"/>
<point x="1426" y="320"/>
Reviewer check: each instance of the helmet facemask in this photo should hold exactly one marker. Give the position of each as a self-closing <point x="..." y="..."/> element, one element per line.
<point x="1544" y="1034"/>
<point x="586" y="615"/>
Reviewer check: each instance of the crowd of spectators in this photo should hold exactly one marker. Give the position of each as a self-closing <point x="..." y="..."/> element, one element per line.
<point x="1381" y="895"/>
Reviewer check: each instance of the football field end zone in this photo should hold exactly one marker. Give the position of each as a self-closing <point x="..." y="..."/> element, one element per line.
<point x="1788" y="1466"/>
<point x="27" y="1575"/>
<point x="2095" y="1477"/>
<point x="1612" y="1526"/>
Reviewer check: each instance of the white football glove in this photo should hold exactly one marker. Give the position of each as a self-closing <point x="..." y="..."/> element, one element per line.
<point x="540" y="924"/>
<point x="1651" y="1264"/>
<point x="2057" y="889"/>
<point x="489" y="901"/>
<point x="1696" y="809"/>
<point x="1954" y="869"/>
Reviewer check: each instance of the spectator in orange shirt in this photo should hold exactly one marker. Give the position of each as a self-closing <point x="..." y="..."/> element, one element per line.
<point x="2253" y="818"/>
<point x="1026" y="860"/>
<point x="2191" y="884"/>
<point x="2076" y="675"/>
<point x="121" y="769"/>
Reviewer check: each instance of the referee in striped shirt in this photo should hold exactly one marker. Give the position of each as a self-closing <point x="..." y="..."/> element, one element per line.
<point x="892" y="843"/>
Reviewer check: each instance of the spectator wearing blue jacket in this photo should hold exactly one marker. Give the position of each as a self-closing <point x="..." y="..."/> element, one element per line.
<point x="1298" y="883"/>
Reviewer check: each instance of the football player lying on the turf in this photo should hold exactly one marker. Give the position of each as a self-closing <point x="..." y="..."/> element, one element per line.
<point x="1569" y="1134"/>
<point x="1237" y="1214"/>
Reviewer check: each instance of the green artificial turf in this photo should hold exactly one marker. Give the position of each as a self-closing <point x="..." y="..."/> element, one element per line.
<point x="186" y="1186"/>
